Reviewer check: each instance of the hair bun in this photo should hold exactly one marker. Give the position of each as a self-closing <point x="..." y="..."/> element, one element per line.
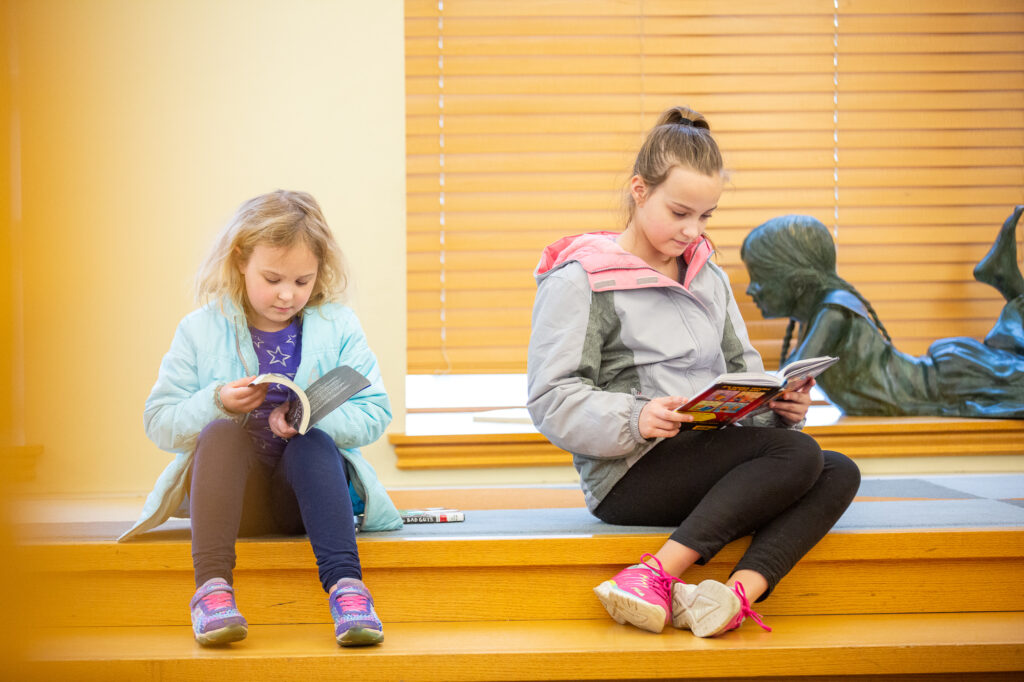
<point x="683" y="116"/>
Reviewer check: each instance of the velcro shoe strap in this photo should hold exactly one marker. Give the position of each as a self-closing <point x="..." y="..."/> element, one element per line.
<point x="210" y="588"/>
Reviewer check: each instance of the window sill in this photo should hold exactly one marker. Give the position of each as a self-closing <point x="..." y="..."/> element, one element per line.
<point x="857" y="437"/>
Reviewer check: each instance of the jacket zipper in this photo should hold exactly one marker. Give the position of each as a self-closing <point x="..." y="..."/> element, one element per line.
<point x="245" y="366"/>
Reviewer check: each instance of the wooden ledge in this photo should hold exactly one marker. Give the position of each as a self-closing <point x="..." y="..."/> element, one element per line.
<point x="961" y="646"/>
<point x="858" y="437"/>
<point x="450" y="552"/>
<point x="476" y="451"/>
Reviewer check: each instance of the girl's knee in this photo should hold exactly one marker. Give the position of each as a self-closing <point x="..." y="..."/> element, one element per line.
<point x="313" y="441"/>
<point x="221" y="428"/>
<point x="315" y="447"/>
<point x="805" y="455"/>
<point x="843" y="470"/>
<point x="223" y="438"/>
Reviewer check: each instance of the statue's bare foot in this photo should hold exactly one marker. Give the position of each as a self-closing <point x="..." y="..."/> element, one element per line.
<point x="999" y="267"/>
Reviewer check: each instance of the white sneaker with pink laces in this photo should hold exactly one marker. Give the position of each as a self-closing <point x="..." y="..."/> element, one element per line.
<point x="711" y="608"/>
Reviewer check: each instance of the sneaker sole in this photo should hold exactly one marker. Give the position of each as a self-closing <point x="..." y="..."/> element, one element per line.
<point x="224" y="635"/>
<point x="624" y="608"/>
<point x="713" y="607"/>
<point x="360" y="637"/>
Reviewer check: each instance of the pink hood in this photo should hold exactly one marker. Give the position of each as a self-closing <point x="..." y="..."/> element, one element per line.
<point x="609" y="266"/>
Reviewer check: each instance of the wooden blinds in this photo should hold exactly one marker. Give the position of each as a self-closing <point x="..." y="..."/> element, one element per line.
<point x="931" y="157"/>
<point x="903" y="132"/>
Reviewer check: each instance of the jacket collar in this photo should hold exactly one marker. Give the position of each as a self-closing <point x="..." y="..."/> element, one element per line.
<point x="610" y="267"/>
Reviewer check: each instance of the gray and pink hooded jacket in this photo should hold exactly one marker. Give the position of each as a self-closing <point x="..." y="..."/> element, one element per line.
<point x="609" y="333"/>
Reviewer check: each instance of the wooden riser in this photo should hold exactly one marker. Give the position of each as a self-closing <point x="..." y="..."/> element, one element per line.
<point x="523" y="579"/>
<point x="815" y="647"/>
<point x="526" y="593"/>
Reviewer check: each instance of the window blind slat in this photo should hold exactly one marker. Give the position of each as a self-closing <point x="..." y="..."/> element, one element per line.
<point x="537" y="104"/>
<point x="695" y="83"/>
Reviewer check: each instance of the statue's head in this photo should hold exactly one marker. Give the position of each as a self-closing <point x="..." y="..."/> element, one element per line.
<point x="788" y="257"/>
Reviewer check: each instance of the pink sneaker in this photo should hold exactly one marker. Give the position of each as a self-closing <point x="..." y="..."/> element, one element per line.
<point x="639" y="595"/>
<point x="711" y="608"/>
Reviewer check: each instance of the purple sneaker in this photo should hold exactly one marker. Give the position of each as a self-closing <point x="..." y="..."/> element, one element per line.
<point x="355" y="621"/>
<point x="215" y="618"/>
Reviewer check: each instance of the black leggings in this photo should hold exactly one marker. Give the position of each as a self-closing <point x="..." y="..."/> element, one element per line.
<point x="717" y="486"/>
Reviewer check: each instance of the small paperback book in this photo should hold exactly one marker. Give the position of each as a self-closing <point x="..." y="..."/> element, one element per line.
<point x="432" y="515"/>
<point x="731" y="397"/>
<point x="321" y="398"/>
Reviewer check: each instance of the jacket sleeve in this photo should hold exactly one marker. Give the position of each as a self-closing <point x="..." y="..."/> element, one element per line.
<point x="363" y="418"/>
<point x="563" y="399"/>
<point x="178" y="407"/>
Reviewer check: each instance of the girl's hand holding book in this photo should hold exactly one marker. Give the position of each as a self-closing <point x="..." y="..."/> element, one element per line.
<point x="278" y="422"/>
<point x="658" y="418"/>
<point x="792" y="405"/>
<point x="238" y="397"/>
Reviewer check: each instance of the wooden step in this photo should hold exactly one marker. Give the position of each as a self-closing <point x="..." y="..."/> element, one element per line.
<point x="983" y="646"/>
<point x="522" y="578"/>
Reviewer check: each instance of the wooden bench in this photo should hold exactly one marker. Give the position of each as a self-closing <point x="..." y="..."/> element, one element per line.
<point x="867" y="604"/>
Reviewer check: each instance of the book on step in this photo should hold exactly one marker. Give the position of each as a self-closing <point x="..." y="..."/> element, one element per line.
<point x="732" y="397"/>
<point x="321" y="398"/>
<point x="432" y="515"/>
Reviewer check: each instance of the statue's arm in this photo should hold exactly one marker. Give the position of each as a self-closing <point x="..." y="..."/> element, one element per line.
<point x="826" y="330"/>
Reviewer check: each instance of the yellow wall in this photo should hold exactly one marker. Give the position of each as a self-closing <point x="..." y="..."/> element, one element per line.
<point x="143" y="125"/>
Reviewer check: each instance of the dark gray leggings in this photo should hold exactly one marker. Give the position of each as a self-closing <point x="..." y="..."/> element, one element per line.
<point x="716" y="486"/>
<point x="233" y="493"/>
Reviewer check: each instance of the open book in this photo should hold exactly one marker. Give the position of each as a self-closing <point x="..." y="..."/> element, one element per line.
<point x="321" y="398"/>
<point x="732" y="397"/>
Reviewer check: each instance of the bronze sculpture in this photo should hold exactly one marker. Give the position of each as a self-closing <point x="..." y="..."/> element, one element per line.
<point x="792" y="265"/>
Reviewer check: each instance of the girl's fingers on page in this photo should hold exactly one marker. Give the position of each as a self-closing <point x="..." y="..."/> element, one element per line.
<point x="806" y="386"/>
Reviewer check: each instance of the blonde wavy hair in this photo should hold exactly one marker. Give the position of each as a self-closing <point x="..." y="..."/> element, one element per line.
<point x="278" y="219"/>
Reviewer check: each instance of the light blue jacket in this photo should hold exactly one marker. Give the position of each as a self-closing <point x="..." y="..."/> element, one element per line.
<point x="212" y="347"/>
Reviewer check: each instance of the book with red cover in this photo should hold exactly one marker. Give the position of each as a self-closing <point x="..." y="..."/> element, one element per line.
<point x="732" y="397"/>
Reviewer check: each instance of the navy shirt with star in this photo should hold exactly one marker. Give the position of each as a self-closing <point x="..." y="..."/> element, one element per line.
<point x="277" y="352"/>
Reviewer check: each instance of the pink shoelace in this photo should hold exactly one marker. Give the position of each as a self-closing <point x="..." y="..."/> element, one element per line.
<point x="216" y="601"/>
<point x="745" y="610"/>
<point x="658" y="579"/>
<point x="352" y="601"/>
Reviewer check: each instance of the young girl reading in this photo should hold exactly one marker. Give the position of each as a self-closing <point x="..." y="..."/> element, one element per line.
<point x="792" y="264"/>
<point x="267" y="291"/>
<point x="625" y="325"/>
